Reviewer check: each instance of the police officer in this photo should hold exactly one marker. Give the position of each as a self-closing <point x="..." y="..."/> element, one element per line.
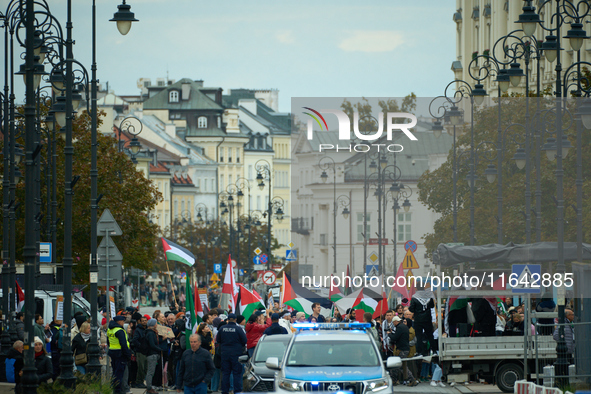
<point x="232" y="339"/>
<point x="119" y="351"/>
<point x="275" y="328"/>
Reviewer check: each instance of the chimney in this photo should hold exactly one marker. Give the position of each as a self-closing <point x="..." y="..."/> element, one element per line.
<point x="185" y="90"/>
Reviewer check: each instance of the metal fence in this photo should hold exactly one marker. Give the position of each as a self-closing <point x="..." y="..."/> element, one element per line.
<point x="578" y="355"/>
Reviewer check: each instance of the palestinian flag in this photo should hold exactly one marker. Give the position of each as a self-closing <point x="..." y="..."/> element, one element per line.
<point x="230" y="287"/>
<point x="247" y="302"/>
<point x="365" y="302"/>
<point x="300" y="298"/>
<point x="191" y="324"/>
<point x="352" y="300"/>
<point x="174" y="252"/>
<point x="452" y="304"/>
<point x="20" y="301"/>
<point x="335" y="293"/>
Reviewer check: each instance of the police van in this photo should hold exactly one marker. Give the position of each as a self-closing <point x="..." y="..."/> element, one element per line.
<point x="333" y="357"/>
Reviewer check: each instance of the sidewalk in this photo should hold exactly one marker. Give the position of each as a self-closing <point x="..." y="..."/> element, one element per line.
<point x="458" y="388"/>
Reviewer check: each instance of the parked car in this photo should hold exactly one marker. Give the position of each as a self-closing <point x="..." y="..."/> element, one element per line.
<point x="257" y="377"/>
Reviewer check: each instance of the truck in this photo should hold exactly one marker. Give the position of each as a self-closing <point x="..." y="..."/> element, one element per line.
<point x="500" y="360"/>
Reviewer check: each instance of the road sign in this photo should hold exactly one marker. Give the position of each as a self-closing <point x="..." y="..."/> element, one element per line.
<point x="372" y="270"/>
<point x="114" y="259"/>
<point x="241" y="271"/>
<point x="45" y="252"/>
<point x="234" y="264"/>
<point x="258" y="251"/>
<point x="264" y="259"/>
<point x="256" y="259"/>
<point x="276" y="266"/>
<point x="410" y="262"/>
<point x="408" y="281"/>
<point x="269" y="277"/>
<point x="374" y="241"/>
<point x="214" y="278"/>
<point x="528" y="275"/>
<point x="412" y="245"/>
<point x="107" y="223"/>
<point x="259" y="267"/>
<point x="217" y="268"/>
<point x="291" y="245"/>
<point x="291" y="255"/>
<point x="373" y="257"/>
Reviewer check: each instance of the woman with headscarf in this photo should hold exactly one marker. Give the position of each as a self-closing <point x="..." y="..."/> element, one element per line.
<point x="79" y="347"/>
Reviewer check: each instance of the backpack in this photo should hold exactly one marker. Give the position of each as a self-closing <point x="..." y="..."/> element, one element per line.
<point x="10" y="370"/>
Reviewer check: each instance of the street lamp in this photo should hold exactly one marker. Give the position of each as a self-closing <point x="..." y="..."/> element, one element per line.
<point x="124" y="17"/>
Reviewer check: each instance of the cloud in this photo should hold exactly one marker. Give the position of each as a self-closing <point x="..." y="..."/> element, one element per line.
<point x="372" y="41"/>
<point x="285" y="37"/>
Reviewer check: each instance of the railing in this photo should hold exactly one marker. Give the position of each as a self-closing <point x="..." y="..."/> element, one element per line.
<point x="302" y="225"/>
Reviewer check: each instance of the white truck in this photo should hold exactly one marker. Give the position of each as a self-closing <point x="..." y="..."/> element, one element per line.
<point x="498" y="359"/>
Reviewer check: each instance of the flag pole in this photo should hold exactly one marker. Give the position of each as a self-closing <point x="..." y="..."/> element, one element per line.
<point x="171" y="285"/>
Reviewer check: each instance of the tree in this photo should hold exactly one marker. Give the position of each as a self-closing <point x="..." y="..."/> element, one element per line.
<point x="126" y="193"/>
<point x="435" y="187"/>
<point x="365" y="110"/>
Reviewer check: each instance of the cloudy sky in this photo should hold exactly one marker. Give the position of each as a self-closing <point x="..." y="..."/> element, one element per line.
<point x="302" y="48"/>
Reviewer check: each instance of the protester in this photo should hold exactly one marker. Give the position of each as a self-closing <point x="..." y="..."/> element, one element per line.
<point x="19" y="325"/>
<point x="569" y="333"/>
<point x="255" y="328"/>
<point x="316" y="313"/>
<point x="420" y="305"/>
<point x="546" y="304"/>
<point x="400" y="339"/>
<point x="39" y="328"/>
<point x="42" y="362"/>
<point x="139" y="346"/>
<point x="56" y="346"/>
<point x="14" y="363"/>
<point x="232" y="341"/>
<point x="195" y="369"/>
<point x="152" y="353"/>
<point x="80" y="347"/>
<point x="285" y="321"/>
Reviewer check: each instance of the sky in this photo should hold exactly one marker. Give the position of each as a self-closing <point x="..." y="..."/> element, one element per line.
<point x="302" y="48"/>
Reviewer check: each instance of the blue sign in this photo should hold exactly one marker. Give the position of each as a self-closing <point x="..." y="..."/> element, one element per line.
<point x="526" y="278"/>
<point x="217" y="268"/>
<point x="241" y="271"/>
<point x="45" y="252"/>
<point x="256" y="259"/>
<point x="291" y="255"/>
<point x="264" y="258"/>
<point x="372" y="270"/>
<point x="412" y="245"/>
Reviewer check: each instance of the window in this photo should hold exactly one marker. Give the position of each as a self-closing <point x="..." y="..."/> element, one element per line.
<point x="166" y="197"/>
<point x="160" y="83"/>
<point x="237" y="155"/>
<point x="212" y="184"/>
<point x="229" y="155"/>
<point x="222" y="154"/>
<point x="202" y="122"/>
<point x="404" y="227"/>
<point x="259" y="203"/>
<point x="147" y="83"/>
<point x="176" y="208"/>
<point x="360" y="231"/>
<point x="219" y="122"/>
<point x="173" y="96"/>
<point x="250" y="172"/>
<point x="229" y="179"/>
<point x="221" y="181"/>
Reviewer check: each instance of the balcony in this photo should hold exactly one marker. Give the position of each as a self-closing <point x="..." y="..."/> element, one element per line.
<point x="302" y="226"/>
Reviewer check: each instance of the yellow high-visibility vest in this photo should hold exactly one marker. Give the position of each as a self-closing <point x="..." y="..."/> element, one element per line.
<point x="113" y="340"/>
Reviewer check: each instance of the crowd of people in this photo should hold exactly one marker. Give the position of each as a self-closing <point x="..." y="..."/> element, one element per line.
<point x="152" y="351"/>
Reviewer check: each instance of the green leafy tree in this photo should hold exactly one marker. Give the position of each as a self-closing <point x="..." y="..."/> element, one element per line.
<point x="126" y="193"/>
<point x="436" y="187"/>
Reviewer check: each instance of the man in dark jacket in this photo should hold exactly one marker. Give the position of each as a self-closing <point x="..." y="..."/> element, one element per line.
<point x="232" y="340"/>
<point x="119" y="350"/>
<point x="56" y="346"/>
<point x="153" y="350"/>
<point x="420" y="305"/>
<point x="14" y="363"/>
<point x="400" y="339"/>
<point x="140" y="345"/>
<point x="275" y="328"/>
<point x="485" y="316"/>
<point x="195" y="369"/>
<point x="19" y="325"/>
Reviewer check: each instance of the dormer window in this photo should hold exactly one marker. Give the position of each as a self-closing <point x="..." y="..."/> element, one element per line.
<point x="202" y="122"/>
<point x="173" y="96"/>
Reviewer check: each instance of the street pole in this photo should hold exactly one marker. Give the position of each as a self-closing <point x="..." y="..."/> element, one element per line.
<point x="94" y="366"/>
<point x="29" y="378"/>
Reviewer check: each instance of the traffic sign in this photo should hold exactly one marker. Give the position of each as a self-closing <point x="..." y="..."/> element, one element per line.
<point x="256" y="259"/>
<point x="259" y="267"/>
<point x="108" y="254"/>
<point x="373" y="257"/>
<point x="410" y="262"/>
<point x="45" y="252"/>
<point x="291" y="255"/>
<point x="107" y="223"/>
<point x="241" y="271"/>
<point x="258" y="251"/>
<point x="234" y="264"/>
<point x="269" y="277"/>
<point x="264" y="258"/>
<point x="408" y="281"/>
<point x="291" y="245"/>
<point x="214" y="278"/>
<point x="528" y="276"/>
<point x="372" y="270"/>
<point x="217" y="268"/>
<point x="412" y="245"/>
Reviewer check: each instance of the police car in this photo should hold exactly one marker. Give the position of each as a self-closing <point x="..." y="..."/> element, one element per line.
<point x="333" y="357"/>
